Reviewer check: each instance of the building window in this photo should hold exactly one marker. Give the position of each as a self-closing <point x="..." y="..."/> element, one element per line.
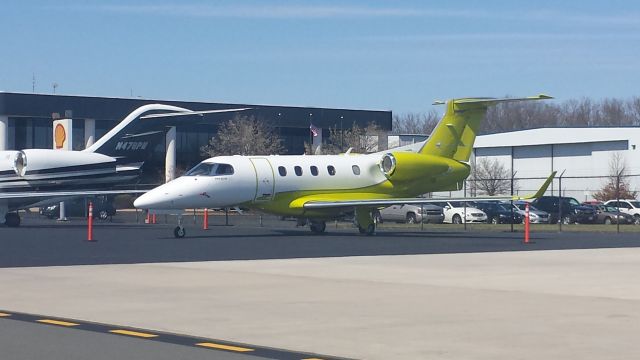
<point x="298" y="170"/>
<point x="331" y="170"/>
<point x="314" y="170"/>
<point x="282" y="171"/>
<point x="356" y="169"/>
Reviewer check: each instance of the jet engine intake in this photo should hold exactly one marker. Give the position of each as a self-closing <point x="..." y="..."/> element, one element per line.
<point x="20" y="163"/>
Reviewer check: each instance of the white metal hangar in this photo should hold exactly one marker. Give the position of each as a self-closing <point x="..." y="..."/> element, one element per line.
<point x="584" y="154"/>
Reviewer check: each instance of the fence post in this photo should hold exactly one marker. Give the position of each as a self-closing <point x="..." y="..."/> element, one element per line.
<point x="526" y="224"/>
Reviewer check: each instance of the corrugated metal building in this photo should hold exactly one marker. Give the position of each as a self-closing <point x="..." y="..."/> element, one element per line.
<point x="584" y="154"/>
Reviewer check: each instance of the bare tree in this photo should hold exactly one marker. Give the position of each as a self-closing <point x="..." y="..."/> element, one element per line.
<point x="361" y="140"/>
<point x="244" y="135"/>
<point x="617" y="186"/>
<point x="415" y="123"/>
<point x="579" y="113"/>
<point x="490" y="177"/>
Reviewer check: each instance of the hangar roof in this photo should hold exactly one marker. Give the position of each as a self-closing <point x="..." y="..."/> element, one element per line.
<point x="557" y="135"/>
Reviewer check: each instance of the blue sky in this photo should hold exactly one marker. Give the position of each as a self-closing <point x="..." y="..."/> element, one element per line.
<point x="392" y="55"/>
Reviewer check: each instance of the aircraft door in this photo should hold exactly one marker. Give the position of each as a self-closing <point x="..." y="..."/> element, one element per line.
<point x="264" y="179"/>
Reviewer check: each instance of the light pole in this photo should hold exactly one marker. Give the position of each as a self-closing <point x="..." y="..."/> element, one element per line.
<point x="341" y="135"/>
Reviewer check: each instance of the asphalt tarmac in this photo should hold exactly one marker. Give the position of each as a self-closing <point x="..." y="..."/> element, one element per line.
<point x="43" y="242"/>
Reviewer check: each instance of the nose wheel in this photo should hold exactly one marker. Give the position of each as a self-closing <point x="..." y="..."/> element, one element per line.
<point x="179" y="231"/>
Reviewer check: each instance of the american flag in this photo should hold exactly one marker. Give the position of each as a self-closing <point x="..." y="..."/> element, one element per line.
<point x="314" y="130"/>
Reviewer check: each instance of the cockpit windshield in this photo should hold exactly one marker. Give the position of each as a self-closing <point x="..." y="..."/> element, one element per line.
<point x="210" y="169"/>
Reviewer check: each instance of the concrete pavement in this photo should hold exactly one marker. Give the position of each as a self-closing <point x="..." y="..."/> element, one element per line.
<point x="569" y="304"/>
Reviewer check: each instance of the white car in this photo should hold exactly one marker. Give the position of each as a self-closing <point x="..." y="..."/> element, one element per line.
<point x="628" y="206"/>
<point x="454" y="212"/>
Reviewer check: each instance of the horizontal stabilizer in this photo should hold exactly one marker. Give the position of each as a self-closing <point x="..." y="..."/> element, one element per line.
<point x="186" y="113"/>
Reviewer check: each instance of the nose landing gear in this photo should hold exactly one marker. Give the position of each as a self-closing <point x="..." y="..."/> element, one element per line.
<point x="179" y="231"/>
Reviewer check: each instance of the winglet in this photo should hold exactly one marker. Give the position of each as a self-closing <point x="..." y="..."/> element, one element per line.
<point x="540" y="191"/>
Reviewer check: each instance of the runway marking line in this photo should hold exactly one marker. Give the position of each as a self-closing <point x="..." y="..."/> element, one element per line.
<point x="57" y="322"/>
<point x="168" y="338"/>
<point x="133" y="333"/>
<point x="224" y="347"/>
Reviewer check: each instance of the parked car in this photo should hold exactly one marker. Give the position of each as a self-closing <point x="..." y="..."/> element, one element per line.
<point x="572" y="211"/>
<point x="627" y="206"/>
<point x="454" y="212"/>
<point x="412" y="214"/>
<point x="103" y="209"/>
<point x="536" y="216"/>
<point x="498" y="213"/>
<point x="606" y="214"/>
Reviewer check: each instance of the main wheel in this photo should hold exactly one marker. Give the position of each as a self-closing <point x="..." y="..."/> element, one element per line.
<point x="411" y="218"/>
<point x="318" y="227"/>
<point x="456" y="219"/>
<point x="607" y="220"/>
<point x="12" y="219"/>
<point x="636" y="219"/>
<point x="495" y="220"/>
<point x="103" y="215"/>
<point x="566" y="220"/>
<point x="179" y="232"/>
<point x="370" y="230"/>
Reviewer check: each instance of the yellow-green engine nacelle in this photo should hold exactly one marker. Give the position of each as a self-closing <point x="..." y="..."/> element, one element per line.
<point x="410" y="172"/>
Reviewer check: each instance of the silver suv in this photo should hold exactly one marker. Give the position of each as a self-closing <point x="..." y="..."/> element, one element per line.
<point x="412" y="214"/>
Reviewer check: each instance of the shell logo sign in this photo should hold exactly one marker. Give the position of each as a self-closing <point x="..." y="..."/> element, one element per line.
<point x="62" y="134"/>
<point x="59" y="136"/>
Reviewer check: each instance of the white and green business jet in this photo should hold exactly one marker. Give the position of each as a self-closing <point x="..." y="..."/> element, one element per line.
<point x="321" y="187"/>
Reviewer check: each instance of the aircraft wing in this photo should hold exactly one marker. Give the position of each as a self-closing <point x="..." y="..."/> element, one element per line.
<point x="47" y="194"/>
<point x="326" y="201"/>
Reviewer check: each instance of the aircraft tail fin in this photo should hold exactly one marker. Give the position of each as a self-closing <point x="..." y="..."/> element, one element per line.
<point x="455" y="134"/>
<point x="133" y="139"/>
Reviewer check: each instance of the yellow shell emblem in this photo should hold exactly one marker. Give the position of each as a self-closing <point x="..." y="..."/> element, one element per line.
<point x="59" y="136"/>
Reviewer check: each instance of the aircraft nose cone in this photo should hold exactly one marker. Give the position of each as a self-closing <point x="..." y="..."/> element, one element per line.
<point x="145" y="201"/>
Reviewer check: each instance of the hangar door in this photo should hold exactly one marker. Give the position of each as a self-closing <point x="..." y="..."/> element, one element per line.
<point x="264" y="179"/>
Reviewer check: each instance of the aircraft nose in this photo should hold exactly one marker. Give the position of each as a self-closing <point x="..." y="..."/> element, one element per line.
<point x="148" y="200"/>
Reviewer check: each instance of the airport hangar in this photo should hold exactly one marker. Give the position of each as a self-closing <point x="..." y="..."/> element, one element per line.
<point x="584" y="154"/>
<point x="26" y="122"/>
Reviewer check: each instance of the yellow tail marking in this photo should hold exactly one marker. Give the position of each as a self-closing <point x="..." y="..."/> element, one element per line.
<point x="4" y="314"/>
<point x="224" y="347"/>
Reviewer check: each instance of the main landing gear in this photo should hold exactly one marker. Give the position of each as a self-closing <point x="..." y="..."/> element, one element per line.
<point x="317" y="226"/>
<point x="364" y="220"/>
<point x="12" y="219"/>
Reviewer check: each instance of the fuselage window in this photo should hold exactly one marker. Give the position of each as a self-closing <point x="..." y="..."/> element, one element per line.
<point x="282" y="171"/>
<point x="314" y="171"/>
<point x="356" y="169"/>
<point x="298" y="170"/>
<point x="224" y="169"/>
<point x="331" y="170"/>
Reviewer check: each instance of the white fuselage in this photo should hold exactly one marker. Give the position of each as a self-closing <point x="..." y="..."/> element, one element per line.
<point x="258" y="179"/>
